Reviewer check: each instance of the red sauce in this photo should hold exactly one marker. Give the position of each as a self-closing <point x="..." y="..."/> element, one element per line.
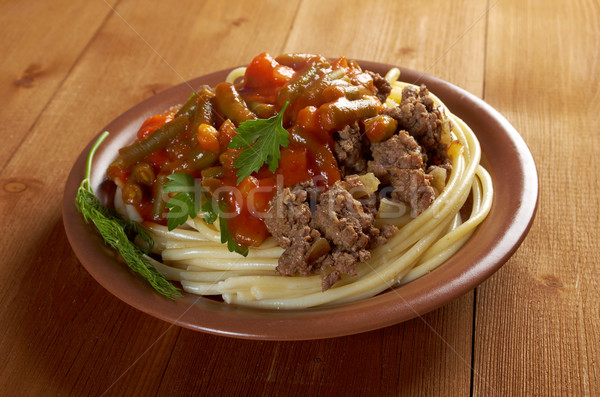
<point x="309" y="154"/>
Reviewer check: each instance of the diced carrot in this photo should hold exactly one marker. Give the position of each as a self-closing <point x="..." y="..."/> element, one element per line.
<point x="247" y="185"/>
<point x="226" y="134"/>
<point x="207" y="138"/>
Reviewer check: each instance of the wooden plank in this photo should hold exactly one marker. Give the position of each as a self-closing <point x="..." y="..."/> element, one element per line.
<point x="537" y="319"/>
<point x="78" y="337"/>
<point x="57" y="336"/>
<point x="416" y="35"/>
<point x="40" y="42"/>
<point x="404" y="360"/>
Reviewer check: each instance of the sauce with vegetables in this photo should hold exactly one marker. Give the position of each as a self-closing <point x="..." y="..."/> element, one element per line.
<point x="323" y="97"/>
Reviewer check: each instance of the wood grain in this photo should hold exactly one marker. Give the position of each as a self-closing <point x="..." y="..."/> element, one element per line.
<point x="539" y="315"/>
<point x="531" y="329"/>
<point x="398" y="36"/>
<point x="40" y="44"/>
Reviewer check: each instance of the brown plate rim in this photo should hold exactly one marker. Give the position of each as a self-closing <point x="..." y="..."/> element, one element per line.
<point x="505" y="155"/>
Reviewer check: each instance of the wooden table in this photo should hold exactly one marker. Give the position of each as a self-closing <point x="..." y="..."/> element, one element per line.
<point x="70" y="67"/>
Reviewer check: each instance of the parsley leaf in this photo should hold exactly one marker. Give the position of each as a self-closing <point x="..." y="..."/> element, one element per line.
<point x="261" y="140"/>
<point x="189" y="200"/>
<point x="183" y="204"/>
<point x="211" y="214"/>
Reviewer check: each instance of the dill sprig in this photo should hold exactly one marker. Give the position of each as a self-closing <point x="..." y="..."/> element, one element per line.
<point x="115" y="230"/>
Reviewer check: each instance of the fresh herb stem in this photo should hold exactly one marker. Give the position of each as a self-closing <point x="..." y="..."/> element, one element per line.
<point x="115" y="230"/>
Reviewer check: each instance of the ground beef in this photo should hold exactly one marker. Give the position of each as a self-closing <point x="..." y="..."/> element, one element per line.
<point x="412" y="187"/>
<point x="399" y="151"/>
<point x="342" y="219"/>
<point x="339" y="224"/>
<point x="287" y="221"/>
<point x="417" y="114"/>
<point x="350" y="149"/>
<point x="399" y="162"/>
<point x="381" y="84"/>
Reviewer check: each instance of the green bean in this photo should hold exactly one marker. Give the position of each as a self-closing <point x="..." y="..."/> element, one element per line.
<point x="294" y="61"/>
<point x="213" y="172"/>
<point x="189" y="107"/>
<point x="195" y="160"/>
<point x="199" y="159"/>
<point x="313" y="93"/>
<point x="231" y="105"/>
<point x="135" y="152"/>
<point x="158" y="206"/>
<point x="262" y="110"/>
<point x="204" y="110"/>
<point x="297" y="85"/>
<point x="354" y="92"/>
<point x="143" y="173"/>
<point x="132" y="193"/>
<point x="335" y="115"/>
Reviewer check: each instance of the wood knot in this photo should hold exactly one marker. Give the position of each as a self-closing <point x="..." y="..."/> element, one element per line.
<point x="19" y="185"/>
<point x="406" y="51"/>
<point x="552" y="281"/>
<point x="239" y="21"/>
<point x="14" y="187"/>
<point x="28" y="77"/>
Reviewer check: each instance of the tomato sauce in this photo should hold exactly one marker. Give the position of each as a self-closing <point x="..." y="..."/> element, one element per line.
<point x="319" y="93"/>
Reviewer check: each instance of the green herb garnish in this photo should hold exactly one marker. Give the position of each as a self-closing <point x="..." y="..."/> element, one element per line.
<point x="115" y="230"/>
<point x="182" y="204"/>
<point x="190" y="198"/>
<point x="226" y="237"/>
<point x="261" y="140"/>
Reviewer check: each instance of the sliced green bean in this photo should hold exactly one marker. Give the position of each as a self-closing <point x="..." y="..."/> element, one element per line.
<point x="158" y="205"/>
<point x="294" y="61"/>
<point x="313" y="94"/>
<point x="213" y="172"/>
<point x="189" y="107"/>
<point x="132" y="193"/>
<point x="297" y="85"/>
<point x="335" y="115"/>
<point x="160" y="138"/>
<point x="193" y="161"/>
<point x="204" y="110"/>
<point x="262" y="110"/>
<point x="231" y="105"/>
<point x="143" y="173"/>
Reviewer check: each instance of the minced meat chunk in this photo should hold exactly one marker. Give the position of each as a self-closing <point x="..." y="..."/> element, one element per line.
<point x="417" y="114"/>
<point x="412" y="187"/>
<point x="399" y="162"/>
<point x="382" y="86"/>
<point x="399" y="151"/>
<point x="342" y="219"/>
<point x="287" y="221"/>
<point x="328" y="238"/>
<point x="349" y="149"/>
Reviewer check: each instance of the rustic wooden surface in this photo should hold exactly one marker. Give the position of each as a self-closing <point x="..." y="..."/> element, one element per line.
<point x="70" y="67"/>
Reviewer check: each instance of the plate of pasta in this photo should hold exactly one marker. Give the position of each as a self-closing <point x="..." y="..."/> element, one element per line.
<point x="300" y="197"/>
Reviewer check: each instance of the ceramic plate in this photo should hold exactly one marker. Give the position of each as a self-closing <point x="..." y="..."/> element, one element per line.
<point x="505" y="156"/>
